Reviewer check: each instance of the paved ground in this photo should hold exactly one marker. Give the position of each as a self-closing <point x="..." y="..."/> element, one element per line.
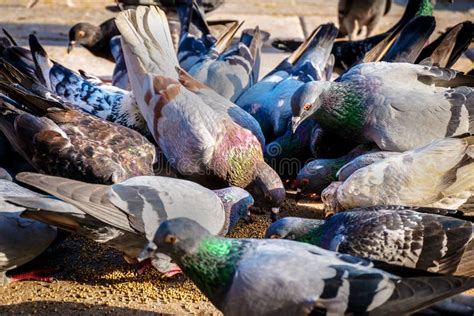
<point x="104" y="284"/>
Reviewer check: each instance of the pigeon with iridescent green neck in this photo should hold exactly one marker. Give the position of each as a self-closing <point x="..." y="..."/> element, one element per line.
<point x="400" y="236"/>
<point x="398" y="106"/>
<point x="283" y="277"/>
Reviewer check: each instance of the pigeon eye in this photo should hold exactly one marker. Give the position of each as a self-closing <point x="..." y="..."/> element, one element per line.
<point x="81" y="34"/>
<point x="307" y="106"/>
<point x="170" y="239"/>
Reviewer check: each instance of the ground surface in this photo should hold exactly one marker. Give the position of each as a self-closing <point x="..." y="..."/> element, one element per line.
<point x="94" y="280"/>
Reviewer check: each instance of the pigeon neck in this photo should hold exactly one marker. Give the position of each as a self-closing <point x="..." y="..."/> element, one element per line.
<point x="341" y="110"/>
<point x="313" y="236"/>
<point x="426" y="8"/>
<point x="212" y="266"/>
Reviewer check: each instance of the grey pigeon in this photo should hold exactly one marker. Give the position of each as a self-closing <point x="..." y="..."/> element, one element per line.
<point x="269" y="99"/>
<point x="21" y="239"/>
<point x="398" y="236"/>
<point x="125" y="215"/>
<point x="202" y="143"/>
<point x="353" y="15"/>
<point x="283" y="277"/>
<point x="398" y="106"/>
<point x="362" y="161"/>
<point x="440" y="174"/>
<point x="317" y="174"/>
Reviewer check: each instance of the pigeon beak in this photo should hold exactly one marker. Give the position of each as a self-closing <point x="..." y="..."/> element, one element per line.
<point x="295" y="122"/>
<point x="71" y="46"/>
<point x="147" y="251"/>
<point x="274" y="214"/>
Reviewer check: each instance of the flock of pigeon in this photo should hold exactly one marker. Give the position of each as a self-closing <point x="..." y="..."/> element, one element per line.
<point x="163" y="162"/>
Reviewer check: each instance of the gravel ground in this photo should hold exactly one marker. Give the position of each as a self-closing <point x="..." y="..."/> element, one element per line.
<point x="93" y="279"/>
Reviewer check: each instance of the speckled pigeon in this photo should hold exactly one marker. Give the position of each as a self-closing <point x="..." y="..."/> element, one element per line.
<point x="283" y="277"/>
<point x="401" y="237"/>
<point x="353" y="15"/>
<point x="399" y="106"/>
<point x="22" y="239"/>
<point x="440" y="174"/>
<point x="269" y="100"/>
<point x="60" y="140"/>
<point x="125" y="215"/>
<point x="203" y="144"/>
<point x="105" y="101"/>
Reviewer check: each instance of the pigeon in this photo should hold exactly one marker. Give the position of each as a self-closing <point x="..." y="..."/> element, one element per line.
<point x="269" y="99"/>
<point x="353" y="15"/>
<point x="317" y="174"/>
<point x="59" y="140"/>
<point x="349" y="53"/>
<point x="402" y="237"/>
<point x="127" y="214"/>
<point x="21" y="239"/>
<point x="362" y="161"/>
<point x="440" y="174"/>
<point x="229" y="71"/>
<point x="203" y="144"/>
<point x="96" y="39"/>
<point x="449" y="47"/>
<point x="284" y="277"/>
<point x="107" y="102"/>
<point x="399" y="106"/>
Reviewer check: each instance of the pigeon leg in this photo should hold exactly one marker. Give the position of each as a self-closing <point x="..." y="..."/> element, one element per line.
<point x="37" y="275"/>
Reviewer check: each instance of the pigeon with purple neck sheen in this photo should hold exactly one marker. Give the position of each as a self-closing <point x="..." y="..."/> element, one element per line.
<point x="127" y="214"/>
<point x="398" y="106"/>
<point x="107" y="102"/>
<point x="440" y="174"/>
<point x="269" y="100"/>
<point x="200" y="142"/>
<point x="251" y="276"/>
<point x="400" y="236"/>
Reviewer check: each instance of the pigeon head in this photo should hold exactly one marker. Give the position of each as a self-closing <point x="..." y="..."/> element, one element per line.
<point x="237" y="203"/>
<point x="306" y="101"/>
<point x="329" y="199"/>
<point x="292" y="228"/>
<point x="267" y="189"/>
<point x="85" y="34"/>
<point x="175" y="237"/>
